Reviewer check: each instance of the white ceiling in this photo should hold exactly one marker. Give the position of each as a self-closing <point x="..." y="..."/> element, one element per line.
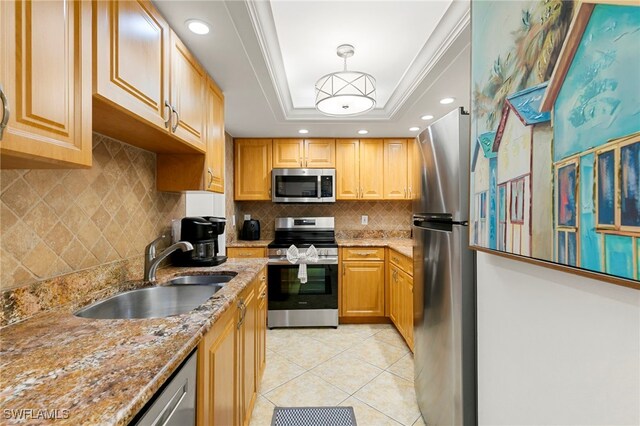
<point x="266" y="57"/>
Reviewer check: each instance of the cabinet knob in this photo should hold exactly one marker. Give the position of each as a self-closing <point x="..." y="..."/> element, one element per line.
<point x="5" y="111"/>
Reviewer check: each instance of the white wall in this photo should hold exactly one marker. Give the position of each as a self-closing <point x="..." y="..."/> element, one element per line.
<point x="201" y="203"/>
<point x="555" y="348"/>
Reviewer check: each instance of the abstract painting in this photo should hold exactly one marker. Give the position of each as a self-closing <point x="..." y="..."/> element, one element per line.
<point x="555" y="152"/>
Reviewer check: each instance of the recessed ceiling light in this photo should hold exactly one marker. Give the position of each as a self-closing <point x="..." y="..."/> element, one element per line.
<point x="414" y="129"/>
<point x="427" y="117"/>
<point x="197" y="26"/>
<point x="363" y="132"/>
<point x="303" y="131"/>
<point x="445" y="101"/>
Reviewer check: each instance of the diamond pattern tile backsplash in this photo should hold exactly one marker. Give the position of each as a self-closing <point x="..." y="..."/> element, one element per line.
<point x="53" y="222"/>
<point x="389" y="219"/>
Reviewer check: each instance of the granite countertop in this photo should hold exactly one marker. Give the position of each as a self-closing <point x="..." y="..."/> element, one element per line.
<point x="245" y="243"/>
<point x="403" y="246"/>
<point x="96" y="371"/>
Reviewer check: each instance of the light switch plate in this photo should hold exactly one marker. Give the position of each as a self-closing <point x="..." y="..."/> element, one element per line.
<point x="364" y="220"/>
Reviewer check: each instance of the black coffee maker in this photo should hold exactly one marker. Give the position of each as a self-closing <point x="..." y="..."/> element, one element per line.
<point x="203" y="233"/>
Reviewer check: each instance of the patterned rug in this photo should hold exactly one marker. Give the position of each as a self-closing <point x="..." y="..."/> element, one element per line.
<point x="313" y="416"/>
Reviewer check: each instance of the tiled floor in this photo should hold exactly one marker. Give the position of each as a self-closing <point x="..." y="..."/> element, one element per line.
<point x="366" y="366"/>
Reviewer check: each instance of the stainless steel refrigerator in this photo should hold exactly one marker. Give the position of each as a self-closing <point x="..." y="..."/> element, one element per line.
<point x="444" y="276"/>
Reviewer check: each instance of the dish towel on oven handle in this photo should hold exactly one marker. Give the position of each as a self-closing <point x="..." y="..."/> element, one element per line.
<point x="295" y="256"/>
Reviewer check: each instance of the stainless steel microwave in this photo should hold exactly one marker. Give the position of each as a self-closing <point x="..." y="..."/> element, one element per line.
<point x="303" y="185"/>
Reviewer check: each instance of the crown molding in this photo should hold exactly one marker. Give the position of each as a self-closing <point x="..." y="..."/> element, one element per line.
<point x="270" y="71"/>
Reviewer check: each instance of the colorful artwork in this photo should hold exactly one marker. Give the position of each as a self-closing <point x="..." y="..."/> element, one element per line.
<point x="555" y="158"/>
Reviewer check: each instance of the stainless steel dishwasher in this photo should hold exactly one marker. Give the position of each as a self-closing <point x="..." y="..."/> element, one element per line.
<point x="176" y="403"/>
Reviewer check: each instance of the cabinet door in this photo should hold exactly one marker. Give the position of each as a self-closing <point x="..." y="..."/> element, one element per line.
<point x="288" y="153"/>
<point x="252" y="161"/>
<point x="217" y="384"/>
<point x="406" y="307"/>
<point x="395" y="169"/>
<point x="132" y="58"/>
<point x="394" y="297"/>
<point x="347" y="169"/>
<point x="45" y="74"/>
<point x="362" y="289"/>
<point x="188" y="82"/>
<point x="215" y="140"/>
<point x="247" y="360"/>
<point x="371" y="169"/>
<point x="261" y="329"/>
<point x="320" y="153"/>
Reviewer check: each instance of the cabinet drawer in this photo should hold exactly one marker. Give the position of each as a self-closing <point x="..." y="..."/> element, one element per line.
<point x="403" y="262"/>
<point x="363" y="253"/>
<point x="245" y="252"/>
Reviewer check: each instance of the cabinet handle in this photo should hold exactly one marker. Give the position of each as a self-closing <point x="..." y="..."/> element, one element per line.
<point x="361" y="193"/>
<point x="263" y="295"/>
<point x="363" y="253"/>
<point x="167" y="122"/>
<point x="5" y="111"/>
<point x="405" y="193"/>
<point x="243" y="311"/>
<point x="210" y="177"/>
<point x="306" y="163"/>
<point x="395" y="259"/>
<point x="175" y="126"/>
<point x="409" y="192"/>
<point x="263" y="278"/>
<point x="269" y="192"/>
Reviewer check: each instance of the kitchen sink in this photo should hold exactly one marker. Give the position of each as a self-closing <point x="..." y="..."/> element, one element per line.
<point x="202" y="279"/>
<point x="151" y="302"/>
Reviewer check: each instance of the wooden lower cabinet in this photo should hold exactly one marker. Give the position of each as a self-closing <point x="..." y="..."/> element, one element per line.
<point x="229" y="357"/>
<point x="400" y="290"/>
<point x="361" y="287"/>
<point x="261" y="339"/>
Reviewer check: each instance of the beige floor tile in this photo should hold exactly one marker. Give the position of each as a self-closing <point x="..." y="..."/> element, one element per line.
<point x="392" y="337"/>
<point x="307" y="390"/>
<point x="393" y="396"/>
<point x="377" y="352"/>
<point x="279" y="370"/>
<point x="404" y="367"/>
<point x="346" y="372"/>
<point x="308" y="352"/>
<point x="280" y="338"/>
<point x="262" y="412"/>
<point x="368" y="416"/>
<point x="420" y="422"/>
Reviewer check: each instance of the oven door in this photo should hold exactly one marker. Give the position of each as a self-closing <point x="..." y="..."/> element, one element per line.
<point x="286" y="292"/>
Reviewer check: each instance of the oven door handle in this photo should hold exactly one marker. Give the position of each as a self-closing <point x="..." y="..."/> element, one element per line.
<point x="323" y="261"/>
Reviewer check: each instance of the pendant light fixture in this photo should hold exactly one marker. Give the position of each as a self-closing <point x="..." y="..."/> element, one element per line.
<point x="345" y="93"/>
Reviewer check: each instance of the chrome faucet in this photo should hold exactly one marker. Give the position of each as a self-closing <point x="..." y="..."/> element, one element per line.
<point x="151" y="261"/>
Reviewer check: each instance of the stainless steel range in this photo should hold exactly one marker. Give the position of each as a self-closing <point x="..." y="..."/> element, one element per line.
<point x="314" y="303"/>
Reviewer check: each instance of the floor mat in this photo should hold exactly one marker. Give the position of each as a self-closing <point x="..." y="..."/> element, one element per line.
<point x="313" y="416"/>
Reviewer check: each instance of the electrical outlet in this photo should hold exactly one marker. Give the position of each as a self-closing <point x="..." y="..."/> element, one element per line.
<point x="364" y="220"/>
<point x="233" y="220"/>
<point x="247" y="217"/>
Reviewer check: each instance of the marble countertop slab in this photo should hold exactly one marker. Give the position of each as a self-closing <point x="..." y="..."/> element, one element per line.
<point x="96" y="371"/>
<point x="247" y="243"/>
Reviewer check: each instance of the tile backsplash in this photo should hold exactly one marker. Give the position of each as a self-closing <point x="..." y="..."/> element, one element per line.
<point x="54" y="222"/>
<point x="387" y="219"/>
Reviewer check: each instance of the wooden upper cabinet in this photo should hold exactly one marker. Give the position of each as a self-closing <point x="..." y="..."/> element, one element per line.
<point x="215" y="140"/>
<point x="148" y="90"/>
<point x="371" y="169"/>
<point x="252" y="169"/>
<point x="132" y="58"/>
<point x="288" y="153"/>
<point x="395" y="169"/>
<point x="320" y="153"/>
<point x="188" y="87"/>
<point x="307" y="153"/>
<point x="347" y="169"/>
<point x="45" y="77"/>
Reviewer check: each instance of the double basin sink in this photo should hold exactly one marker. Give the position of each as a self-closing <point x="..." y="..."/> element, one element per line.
<point x="180" y="295"/>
